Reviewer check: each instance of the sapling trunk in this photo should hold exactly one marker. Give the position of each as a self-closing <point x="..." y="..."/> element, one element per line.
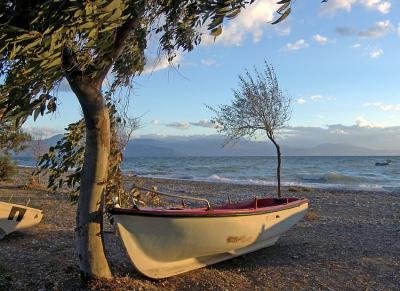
<point x="278" y="167"/>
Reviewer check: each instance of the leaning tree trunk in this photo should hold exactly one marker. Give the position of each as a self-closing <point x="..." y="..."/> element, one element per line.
<point x="89" y="219"/>
<point x="278" y="167"/>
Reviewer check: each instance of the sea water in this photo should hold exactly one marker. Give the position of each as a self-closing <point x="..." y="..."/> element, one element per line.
<point x="321" y="172"/>
<point x="357" y="173"/>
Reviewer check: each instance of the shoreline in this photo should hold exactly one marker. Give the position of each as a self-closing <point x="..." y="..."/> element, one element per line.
<point x="229" y="181"/>
<point x="322" y="187"/>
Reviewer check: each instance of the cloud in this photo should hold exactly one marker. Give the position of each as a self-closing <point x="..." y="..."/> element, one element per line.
<point x="356" y="45"/>
<point x="338" y="131"/>
<point x="363" y="133"/>
<point x="42" y="132"/>
<point x="379" y="5"/>
<point x="252" y="20"/>
<point x="362" y="122"/>
<point x="317" y="98"/>
<point x="379" y="29"/>
<point x="398" y="29"/>
<point x="179" y="125"/>
<point x="345" y="31"/>
<point x="208" y="62"/>
<point x="160" y="63"/>
<point x="314" y="98"/>
<point x="376" y="53"/>
<point x="155" y="121"/>
<point x="333" y="6"/>
<point x="320" y="39"/>
<point x="300" y="44"/>
<point x="205" y="123"/>
<point x="282" y="31"/>
<point x="382" y="106"/>
<point x="301" y="100"/>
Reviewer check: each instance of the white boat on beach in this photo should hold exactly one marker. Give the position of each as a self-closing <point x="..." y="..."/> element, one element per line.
<point x="15" y="217"/>
<point x="163" y="242"/>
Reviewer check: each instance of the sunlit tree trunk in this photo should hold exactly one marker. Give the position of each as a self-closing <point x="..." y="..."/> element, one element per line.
<point x="89" y="236"/>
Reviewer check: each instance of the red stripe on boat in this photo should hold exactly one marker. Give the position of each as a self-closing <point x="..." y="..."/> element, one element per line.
<point x="249" y="207"/>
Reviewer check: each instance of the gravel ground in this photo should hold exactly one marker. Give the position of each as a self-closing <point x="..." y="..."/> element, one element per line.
<point x="347" y="241"/>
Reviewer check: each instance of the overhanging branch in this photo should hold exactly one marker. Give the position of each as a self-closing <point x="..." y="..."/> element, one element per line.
<point x="69" y="63"/>
<point x="121" y="36"/>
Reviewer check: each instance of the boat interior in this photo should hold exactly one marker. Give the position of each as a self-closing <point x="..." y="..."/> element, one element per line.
<point x="257" y="203"/>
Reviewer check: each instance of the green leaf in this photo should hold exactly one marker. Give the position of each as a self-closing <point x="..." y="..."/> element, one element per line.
<point x="283" y="16"/>
<point x="283" y="7"/>
<point x="31" y="45"/>
<point x="25" y="36"/>
<point x="224" y="10"/>
<point x="233" y="14"/>
<point x="283" y="1"/>
<point x="56" y="62"/>
<point x="116" y="15"/>
<point x="216" y="31"/>
<point x="216" y="22"/>
<point x="36" y="114"/>
<point x="87" y="25"/>
<point x="114" y="4"/>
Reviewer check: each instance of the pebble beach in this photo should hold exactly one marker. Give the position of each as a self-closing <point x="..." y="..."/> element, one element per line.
<point x="349" y="240"/>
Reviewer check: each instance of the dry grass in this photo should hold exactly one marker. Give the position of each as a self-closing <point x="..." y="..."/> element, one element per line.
<point x="311" y="215"/>
<point x="293" y="189"/>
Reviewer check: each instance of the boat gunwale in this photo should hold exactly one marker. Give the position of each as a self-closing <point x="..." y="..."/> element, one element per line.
<point x="21" y="206"/>
<point x="204" y="212"/>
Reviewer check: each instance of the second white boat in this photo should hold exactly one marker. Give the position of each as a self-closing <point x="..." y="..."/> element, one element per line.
<point x="15" y="217"/>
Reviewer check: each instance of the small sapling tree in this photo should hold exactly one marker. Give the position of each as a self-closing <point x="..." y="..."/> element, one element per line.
<point x="259" y="104"/>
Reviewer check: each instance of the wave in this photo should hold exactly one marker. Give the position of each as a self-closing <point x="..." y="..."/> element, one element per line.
<point x="216" y="178"/>
<point x="332" y="177"/>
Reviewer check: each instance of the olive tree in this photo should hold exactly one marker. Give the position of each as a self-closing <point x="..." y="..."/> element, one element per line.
<point x="258" y="104"/>
<point x="63" y="162"/>
<point x="12" y="139"/>
<point x="43" y="42"/>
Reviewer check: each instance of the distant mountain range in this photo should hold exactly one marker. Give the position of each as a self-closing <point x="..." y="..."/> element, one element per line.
<point x="212" y="145"/>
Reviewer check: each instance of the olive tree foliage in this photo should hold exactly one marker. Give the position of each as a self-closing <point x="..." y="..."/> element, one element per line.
<point x="258" y="104"/>
<point x="63" y="162"/>
<point x="42" y="42"/>
<point x="12" y="139"/>
<point x="37" y="147"/>
<point x="92" y="37"/>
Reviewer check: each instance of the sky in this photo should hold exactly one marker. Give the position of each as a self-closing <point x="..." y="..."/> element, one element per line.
<point x="338" y="61"/>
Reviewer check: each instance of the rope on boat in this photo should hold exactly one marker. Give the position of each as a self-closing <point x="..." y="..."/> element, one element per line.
<point x="175" y="195"/>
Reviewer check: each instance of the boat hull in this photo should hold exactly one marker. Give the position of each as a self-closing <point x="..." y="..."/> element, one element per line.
<point x="164" y="246"/>
<point x="14" y="217"/>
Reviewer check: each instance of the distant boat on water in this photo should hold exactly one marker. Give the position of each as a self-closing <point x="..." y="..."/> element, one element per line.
<point x="385" y="163"/>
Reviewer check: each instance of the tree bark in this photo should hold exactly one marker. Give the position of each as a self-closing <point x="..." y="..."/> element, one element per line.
<point x="89" y="220"/>
<point x="278" y="167"/>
